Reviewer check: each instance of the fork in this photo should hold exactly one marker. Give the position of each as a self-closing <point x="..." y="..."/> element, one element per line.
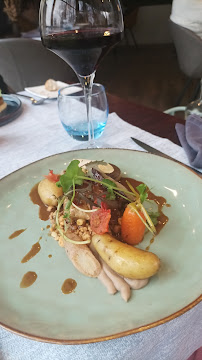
<point x="35" y="101"/>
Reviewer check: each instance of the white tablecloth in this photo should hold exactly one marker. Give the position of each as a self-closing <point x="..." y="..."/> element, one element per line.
<point x="38" y="133"/>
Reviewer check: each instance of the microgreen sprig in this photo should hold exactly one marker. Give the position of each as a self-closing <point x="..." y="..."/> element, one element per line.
<point x="143" y="191"/>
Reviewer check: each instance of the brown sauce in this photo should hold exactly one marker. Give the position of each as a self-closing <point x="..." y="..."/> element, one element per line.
<point x="28" y="279"/>
<point x="16" y="233"/>
<point x="35" y="198"/>
<point x="68" y="286"/>
<point x="159" y="200"/>
<point x="34" y="250"/>
<point x="151" y="242"/>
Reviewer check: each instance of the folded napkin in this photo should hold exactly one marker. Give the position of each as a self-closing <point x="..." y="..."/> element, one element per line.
<point x="190" y="137"/>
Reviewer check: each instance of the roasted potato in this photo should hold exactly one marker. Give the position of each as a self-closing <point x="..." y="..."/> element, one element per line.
<point x="49" y="192"/>
<point x="126" y="260"/>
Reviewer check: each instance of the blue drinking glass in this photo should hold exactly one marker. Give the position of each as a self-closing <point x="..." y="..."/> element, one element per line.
<point x="73" y="115"/>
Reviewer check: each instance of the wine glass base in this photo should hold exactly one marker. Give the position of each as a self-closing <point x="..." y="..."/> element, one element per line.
<point x="98" y="144"/>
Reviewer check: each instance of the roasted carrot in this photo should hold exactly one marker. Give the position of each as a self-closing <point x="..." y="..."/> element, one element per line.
<point x="132" y="227"/>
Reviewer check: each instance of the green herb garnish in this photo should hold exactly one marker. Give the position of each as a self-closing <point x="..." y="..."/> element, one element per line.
<point x="110" y="186"/>
<point x="143" y="191"/>
<point x="72" y="175"/>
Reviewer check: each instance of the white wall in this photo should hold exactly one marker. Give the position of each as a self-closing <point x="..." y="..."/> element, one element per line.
<point x="152" y="25"/>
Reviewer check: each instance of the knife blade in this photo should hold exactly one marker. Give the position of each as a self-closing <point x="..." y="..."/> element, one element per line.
<point x="154" y="151"/>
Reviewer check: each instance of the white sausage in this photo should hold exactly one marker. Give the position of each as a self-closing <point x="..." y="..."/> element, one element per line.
<point x="119" y="283"/>
<point x="107" y="282"/>
<point x="136" y="284"/>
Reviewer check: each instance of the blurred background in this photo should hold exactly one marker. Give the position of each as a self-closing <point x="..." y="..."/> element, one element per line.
<point x="143" y="68"/>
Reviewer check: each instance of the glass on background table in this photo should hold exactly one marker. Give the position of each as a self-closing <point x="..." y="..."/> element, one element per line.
<point x="195" y="107"/>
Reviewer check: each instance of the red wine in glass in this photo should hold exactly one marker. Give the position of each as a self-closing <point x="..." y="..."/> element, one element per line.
<point x="82" y="49"/>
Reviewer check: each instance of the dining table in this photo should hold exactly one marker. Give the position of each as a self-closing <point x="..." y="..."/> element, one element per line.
<point x="37" y="133"/>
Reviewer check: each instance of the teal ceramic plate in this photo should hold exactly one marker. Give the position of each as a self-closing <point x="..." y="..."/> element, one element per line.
<point x="12" y="111"/>
<point x="42" y="312"/>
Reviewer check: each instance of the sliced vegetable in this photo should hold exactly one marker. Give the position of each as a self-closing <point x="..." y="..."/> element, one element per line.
<point x="93" y="168"/>
<point x="99" y="220"/>
<point x="132" y="227"/>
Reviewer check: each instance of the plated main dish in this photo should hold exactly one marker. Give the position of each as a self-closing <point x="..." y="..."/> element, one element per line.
<point x="99" y="217"/>
<point x="89" y="314"/>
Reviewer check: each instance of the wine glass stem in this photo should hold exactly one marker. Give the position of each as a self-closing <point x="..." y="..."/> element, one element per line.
<point x="87" y="84"/>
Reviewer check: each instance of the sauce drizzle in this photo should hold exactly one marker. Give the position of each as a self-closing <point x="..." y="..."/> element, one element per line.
<point x="16" y="233"/>
<point x="151" y="242"/>
<point x="35" y="198"/>
<point x="28" y="279"/>
<point x="34" y="250"/>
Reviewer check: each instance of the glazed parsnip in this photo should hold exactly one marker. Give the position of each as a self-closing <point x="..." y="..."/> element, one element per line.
<point x="126" y="260"/>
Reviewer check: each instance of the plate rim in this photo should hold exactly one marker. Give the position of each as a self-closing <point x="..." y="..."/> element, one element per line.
<point x="122" y="149"/>
<point x="122" y="333"/>
<point x="107" y="337"/>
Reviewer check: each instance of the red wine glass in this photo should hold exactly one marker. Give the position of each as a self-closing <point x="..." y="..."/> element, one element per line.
<point x="81" y="32"/>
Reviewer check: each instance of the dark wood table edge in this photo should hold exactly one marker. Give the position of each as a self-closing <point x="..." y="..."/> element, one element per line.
<point x="154" y="121"/>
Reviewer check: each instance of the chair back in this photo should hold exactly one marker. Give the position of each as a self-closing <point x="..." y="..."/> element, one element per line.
<point x="189" y="50"/>
<point x="25" y="62"/>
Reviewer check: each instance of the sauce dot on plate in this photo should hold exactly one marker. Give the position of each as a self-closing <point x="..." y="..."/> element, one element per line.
<point x="68" y="286"/>
<point x="28" y="279"/>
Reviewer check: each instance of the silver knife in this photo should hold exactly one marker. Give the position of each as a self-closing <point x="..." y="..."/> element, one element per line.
<point x="154" y="151"/>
